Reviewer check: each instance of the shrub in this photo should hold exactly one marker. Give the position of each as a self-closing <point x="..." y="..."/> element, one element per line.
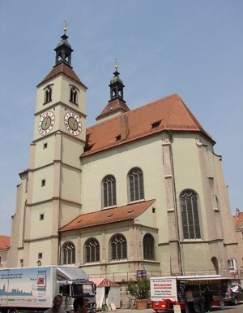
<point x="139" y="289"/>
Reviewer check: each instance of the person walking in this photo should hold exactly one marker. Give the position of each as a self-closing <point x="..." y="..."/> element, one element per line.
<point x="208" y="298"/>
<point x="189" y="301"/>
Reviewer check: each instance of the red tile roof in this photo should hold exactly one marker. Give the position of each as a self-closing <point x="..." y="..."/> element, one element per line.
<point x="112" y="107"/>
<point x="169" y="113"/>
<point x="238" y="219"/>
<point x="62" y="68"/>
<point x="108" y="216"/>
<point x="4" y="242"/>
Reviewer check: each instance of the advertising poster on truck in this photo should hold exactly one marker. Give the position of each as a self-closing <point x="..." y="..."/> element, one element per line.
<point x="26" y="287"/>
<point x="163" y="289"/>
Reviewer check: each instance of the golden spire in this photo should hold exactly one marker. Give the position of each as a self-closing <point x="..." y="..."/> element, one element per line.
<point x="116" y="66"/>
<point x="65" y="27"/>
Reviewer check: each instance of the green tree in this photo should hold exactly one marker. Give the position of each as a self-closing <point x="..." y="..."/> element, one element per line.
<point x="139" y="289"/>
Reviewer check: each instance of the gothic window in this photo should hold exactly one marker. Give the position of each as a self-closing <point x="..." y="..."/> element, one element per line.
<point x="74" y="94"/>
<point x="118" y="247"/>
<point x="48" y="94"/>
<point x="148" y="247"/>
<point x="190" y="215"/>
<point x="135" y="181"/>
<point x="91" y="251"/>
<point x="68" y="253"/>
<point x="109" y="191"/>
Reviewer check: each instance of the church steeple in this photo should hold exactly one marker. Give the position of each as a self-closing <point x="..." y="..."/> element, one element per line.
<point x="116" y="86"/>
<point x="63" y="50"/>
<point x="116" y="105"/>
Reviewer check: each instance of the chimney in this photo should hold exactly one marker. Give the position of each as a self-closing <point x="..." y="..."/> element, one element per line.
<point x="124" y="127"/>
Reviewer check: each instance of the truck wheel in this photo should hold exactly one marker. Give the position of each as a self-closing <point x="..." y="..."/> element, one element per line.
<point x="13" y="311"/>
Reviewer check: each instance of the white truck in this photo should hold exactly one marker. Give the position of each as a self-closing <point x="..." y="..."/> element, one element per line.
<point x="33" y="288"/>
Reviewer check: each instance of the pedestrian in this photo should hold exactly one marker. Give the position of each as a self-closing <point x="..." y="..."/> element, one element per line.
<point x="81" y="305"/>
<point x="56" y="307"/>
<point x="208" y="298"/>
<point x="189" y="301"/>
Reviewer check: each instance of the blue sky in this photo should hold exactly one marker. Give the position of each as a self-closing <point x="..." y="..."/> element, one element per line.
<point x="193" y="48"/>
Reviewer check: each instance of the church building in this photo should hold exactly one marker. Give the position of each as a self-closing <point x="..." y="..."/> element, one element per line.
<point x="141" y="192"/>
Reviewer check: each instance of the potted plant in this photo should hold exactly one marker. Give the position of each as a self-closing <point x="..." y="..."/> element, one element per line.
<point x="140" y="290"/>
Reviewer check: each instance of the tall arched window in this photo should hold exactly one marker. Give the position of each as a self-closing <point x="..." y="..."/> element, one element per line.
<point x="135" y="180"/>
<point x="68" y="253"/>
<point x="190" y="215"/>
<point x="109" y="191"/>
<point x="148" y="247"/>
<point x="118" y="247"/>
<point x="91" y="251"/>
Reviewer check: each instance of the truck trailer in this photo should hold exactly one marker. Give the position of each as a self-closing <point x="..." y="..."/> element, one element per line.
<point x="34" y="288"/>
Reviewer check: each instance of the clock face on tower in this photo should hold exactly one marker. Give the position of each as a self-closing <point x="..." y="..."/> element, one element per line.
<point x="46" y="123"/>
<point x="72" y="123"/>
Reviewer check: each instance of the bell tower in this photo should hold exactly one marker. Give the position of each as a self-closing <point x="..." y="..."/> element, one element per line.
<point x="116" y="86"/>
<point x="64" y="50"/>
<point x="52" y="194"/>
<point x="116" y="105"/>
<point x="61" y="97"/>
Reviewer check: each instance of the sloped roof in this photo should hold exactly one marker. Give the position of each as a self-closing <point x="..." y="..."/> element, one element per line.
<point x="103" y="282"/>
<point x="4" y="242"/>
<point x="62" y="68"/>
<point x="168" y="113"/>
<point x="108" y="216"/>
<point x="238" y="220"/>
<point x="112" y="107"/>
